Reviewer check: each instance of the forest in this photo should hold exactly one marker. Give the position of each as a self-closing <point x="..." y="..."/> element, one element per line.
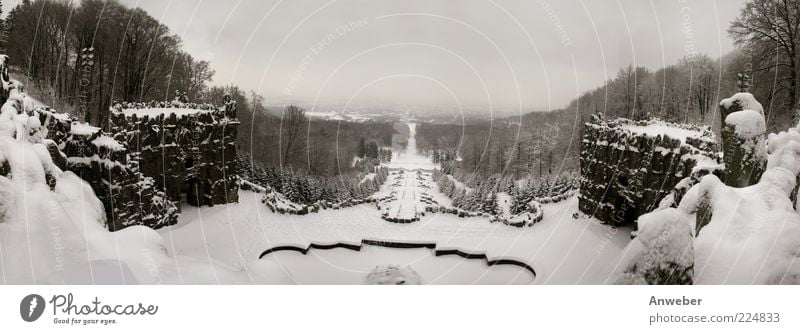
<point x="80" y="56"/>
<point x="73" y="55"/>
<point x="765" y="62"/>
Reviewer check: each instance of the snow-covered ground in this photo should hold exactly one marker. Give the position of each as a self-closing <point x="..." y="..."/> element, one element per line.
<point x="60" y="237"/>
<point x="664" y="130"/>
<point x="344" y="266"/>
<point x="411" y="159"/>
<point x="561" y="249"/>
<point x="411" y="193"/>
<point x="405" y="206"/>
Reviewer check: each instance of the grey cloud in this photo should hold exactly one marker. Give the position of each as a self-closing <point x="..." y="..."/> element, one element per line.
<point x="418" y="43"/>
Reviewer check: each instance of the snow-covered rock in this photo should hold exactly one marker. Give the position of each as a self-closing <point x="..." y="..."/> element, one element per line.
<point x="748" y="235"/>
<point x="393" y="275"/>
<point x="662" y="251"/>
<point x="743" y="140"/>
<point x="742" y="101"/>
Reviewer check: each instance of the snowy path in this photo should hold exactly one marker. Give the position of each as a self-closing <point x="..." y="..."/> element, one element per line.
<point x="411" y="160"/>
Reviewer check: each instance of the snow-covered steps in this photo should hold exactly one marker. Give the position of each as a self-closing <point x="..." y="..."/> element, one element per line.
<point x="435" y="265"/>
<point x="404" y="205"/>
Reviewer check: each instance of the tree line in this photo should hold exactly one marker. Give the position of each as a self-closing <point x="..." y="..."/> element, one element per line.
<point x="301" y="188"/>
<point x="482" y="195"/>
<point x="80" y="56"/>
<point x="765" y="62"/>
<point x="83" y="55"/>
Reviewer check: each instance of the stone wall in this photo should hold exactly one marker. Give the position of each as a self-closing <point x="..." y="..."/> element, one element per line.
<point x="128" y="197"/>
<point x="189" y="150"/>
<point x="626" y="173"/>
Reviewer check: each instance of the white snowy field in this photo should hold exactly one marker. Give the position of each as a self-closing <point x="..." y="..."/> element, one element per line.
<point x="561" y="249"/>
<point x="411" y="159"/>
<point x="344" y="266"/>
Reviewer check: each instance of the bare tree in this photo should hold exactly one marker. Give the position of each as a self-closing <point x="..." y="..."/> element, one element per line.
<point x="772" y="29"/>
<point x="291" y="123"/>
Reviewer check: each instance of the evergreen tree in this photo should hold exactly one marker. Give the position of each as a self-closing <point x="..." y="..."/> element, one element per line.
<point x="362" y="148"/>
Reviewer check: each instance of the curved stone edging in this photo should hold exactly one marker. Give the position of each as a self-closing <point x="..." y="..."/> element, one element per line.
<point x="402" y="245"/>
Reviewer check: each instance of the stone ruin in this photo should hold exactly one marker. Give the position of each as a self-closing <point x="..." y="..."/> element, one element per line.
<point x="189" y="150"/>
<point x="128" y="196"/>
<point x="629" y="167"/>
<point x="152" y="159"/>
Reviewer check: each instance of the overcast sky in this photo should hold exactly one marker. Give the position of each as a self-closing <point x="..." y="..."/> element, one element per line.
<point x="531" y="53"/>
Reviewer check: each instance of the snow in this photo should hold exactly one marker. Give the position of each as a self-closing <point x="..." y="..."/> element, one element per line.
<point x="747" y="123"/>
<point x="753" y="235"/>
<point x="746" y="100"/>
<point x="655" y="130"/>
<point x="367" y="178"/>
<point x="108" y="142"/>
<point x="393" y="275"/>
<point x="459" y="185"/>
<point x="703" y="162"/>
<point x="381" y="265"/>
<point x="411" y="160"/>
<point x="405" y="203"/>
<point x="561" y="249"/>
<point x="330" y="115"/>
<point x="83" y="129"/>
<point x="504" y="201"/>
<point x="167" y="112"/>
<point x="59" y="236"/>
<point x="87" y="161"/>
<point x="663" y="244"/>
